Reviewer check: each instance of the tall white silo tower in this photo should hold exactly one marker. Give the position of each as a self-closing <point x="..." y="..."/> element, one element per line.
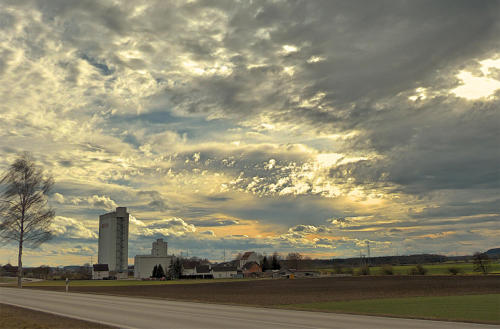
<point x="113" y="241"/>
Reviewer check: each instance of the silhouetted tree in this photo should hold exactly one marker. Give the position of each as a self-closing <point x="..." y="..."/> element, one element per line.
<point x="275" y="262"/>
<point x="155" y="272"/>
<point x="294" y="259"/>
<point x="481" y="262"/>
<point x="25" y="217"/>
<point x="160" y="273"/>
<point x="175" y="269"/>
<point x="265" y="264"/>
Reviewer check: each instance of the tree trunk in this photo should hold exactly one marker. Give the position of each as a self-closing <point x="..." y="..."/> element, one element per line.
<point x="20" y="264"/>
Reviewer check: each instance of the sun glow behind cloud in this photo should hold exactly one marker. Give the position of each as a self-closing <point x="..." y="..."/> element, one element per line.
<point x="476" y="87"/>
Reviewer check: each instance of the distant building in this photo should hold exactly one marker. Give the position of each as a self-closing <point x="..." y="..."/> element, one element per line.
<point x="196" y="270"/>
<point x="224" y="272"/>
<point x="113" y="242"/>
<point x="160" y="248"/>
<point x="251" y="270"/>
<point x="100" y="271"/>
<point x="248" y="257"/>
<point x="188" y="268"/>
<point x="204" y="271"/>
<point x="144" y="264"/>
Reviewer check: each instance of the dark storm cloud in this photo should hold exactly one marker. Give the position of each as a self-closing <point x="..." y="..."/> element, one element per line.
<point x="458" y="209"/>
<point x="370" y="50"/>
<point x="437" y="146"/>
<point x="432" y="224"/>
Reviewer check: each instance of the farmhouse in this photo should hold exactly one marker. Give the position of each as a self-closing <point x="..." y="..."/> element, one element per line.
<point x="224" y="272"/>
<point x="248" y="257"/>
<point x="100" y="271"/>
<point x="251" y="270"/>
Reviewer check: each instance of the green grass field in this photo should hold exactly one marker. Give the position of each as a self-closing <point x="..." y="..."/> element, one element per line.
<point x="432" y="269"/>
<point x="5" y="279"/>
<point x="473" y="308"/>
<point x="112" y="283"/>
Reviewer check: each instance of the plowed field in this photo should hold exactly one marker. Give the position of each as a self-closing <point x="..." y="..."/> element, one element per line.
<point x="283" y="291"/>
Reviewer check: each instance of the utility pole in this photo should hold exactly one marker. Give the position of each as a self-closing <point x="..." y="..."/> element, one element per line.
<point x="368" y="251"/>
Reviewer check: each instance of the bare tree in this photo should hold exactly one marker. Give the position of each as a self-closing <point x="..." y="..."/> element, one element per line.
<point x="25" y="217"/>
<point x="294" y="259"/>
<point x="481" y="262"/>
<point x="275" y="262"/>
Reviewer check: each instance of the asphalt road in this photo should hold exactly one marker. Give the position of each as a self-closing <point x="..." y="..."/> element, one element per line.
<point x="126" y="312"/>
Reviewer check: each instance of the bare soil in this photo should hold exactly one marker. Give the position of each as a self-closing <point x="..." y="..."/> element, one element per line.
<point x="283" y="291"/>
<point x="13" y="317"/>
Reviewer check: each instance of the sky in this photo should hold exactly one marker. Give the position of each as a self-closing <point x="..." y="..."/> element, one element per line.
<point x="229" y="126"/>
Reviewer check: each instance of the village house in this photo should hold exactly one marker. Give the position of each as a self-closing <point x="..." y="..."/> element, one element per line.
<point x="100" y="271"/>
<point x="251" y="270"/>
<point x="248" y="257"/>
<point x="223" y="272"/>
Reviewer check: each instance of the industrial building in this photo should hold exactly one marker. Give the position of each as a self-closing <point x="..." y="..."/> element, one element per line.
<point x="144" y="264"/>
<point x="113" y="242"/>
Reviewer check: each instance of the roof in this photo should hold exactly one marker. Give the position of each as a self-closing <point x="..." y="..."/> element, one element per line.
<point x="189" y="264"/>
<point x="247" y="255"/>
<point x="101" y="267"/>
<point x="203" y="269"/>
<point x="249" y="265"/>
<point x="234" y="262"/>
<point x="224" y="268"/>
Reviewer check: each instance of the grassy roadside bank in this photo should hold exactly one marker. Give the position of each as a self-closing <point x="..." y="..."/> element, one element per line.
<point x="468" y="308"/>
<point x="13" y="317"/>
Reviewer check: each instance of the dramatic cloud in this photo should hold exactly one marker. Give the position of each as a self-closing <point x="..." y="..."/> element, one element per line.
<point x="308" y="126"/>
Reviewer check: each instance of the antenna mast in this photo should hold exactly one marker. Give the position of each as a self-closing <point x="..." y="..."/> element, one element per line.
<point x="368" y="251"/>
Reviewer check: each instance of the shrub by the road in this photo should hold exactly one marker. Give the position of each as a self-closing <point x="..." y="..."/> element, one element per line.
<point x="364" y="270"/>
<point x="387" y="270"/>
<point x="418" y="270"/>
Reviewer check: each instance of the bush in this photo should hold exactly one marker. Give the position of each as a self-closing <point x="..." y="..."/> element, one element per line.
<point x="337" y="269"/>
<point x="481" y="262"/>
<point x="454" y="270"/>
<point x="418" y="270"/>
<point x="387" y="270"/>
<point x="364" y="270"/>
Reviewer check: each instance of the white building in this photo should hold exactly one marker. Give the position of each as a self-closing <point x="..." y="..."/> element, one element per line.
<point x="100" y="271"/>
<point x="224" y="272"/>
<point x="144" y="264"/>
<point x="113" y="242"/>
